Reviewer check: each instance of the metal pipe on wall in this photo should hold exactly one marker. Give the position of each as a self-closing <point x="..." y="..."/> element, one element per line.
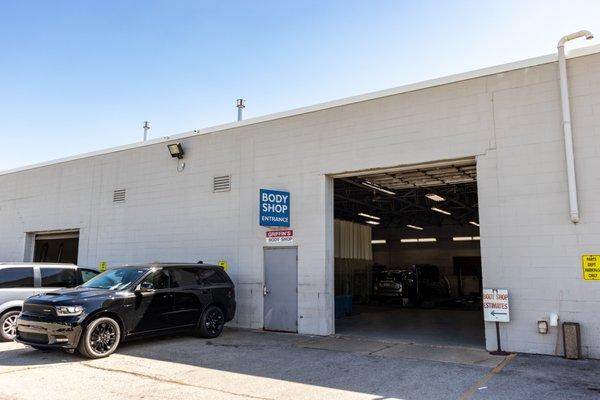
<point x="566" y="115"/>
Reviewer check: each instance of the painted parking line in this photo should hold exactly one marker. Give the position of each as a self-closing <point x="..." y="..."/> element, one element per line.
<point x="481" y="382"/>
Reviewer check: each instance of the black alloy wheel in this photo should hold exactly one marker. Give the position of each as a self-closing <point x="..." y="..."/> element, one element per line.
<point x="100" y="339"/>
<point x="212" y="322"/>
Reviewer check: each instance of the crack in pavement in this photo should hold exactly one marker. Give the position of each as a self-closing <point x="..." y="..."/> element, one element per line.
<point x="172" y="381"/>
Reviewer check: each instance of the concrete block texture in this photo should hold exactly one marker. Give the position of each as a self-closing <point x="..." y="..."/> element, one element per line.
<point x="510" y="122"/>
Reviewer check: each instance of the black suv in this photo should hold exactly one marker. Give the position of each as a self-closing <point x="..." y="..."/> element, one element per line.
<point x="128" y="302"/>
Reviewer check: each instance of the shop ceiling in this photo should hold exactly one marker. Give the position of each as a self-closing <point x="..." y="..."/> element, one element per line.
<point x="411" y="196"/>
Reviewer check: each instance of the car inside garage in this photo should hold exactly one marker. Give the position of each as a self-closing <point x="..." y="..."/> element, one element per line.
<point x="407" y="256"/>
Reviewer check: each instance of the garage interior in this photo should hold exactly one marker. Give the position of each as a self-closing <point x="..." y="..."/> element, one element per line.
<point x="61" y="247"/>
<point x="407" y="255"/>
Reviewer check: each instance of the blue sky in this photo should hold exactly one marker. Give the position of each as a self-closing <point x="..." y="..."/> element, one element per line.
<point x="77" y="76"/>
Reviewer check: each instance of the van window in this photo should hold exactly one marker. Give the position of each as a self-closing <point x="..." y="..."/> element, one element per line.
<point x="59" y="277"/>
<point x="16" y="277"/>
<point x="86" y="274"/>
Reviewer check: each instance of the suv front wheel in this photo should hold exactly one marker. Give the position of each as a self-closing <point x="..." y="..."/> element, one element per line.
<point x="100" y="338"/>
<point x="8" y="325"/>
<point x="211" y="322"/>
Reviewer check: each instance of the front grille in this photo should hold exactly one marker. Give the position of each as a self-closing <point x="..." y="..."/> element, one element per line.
<point x="34" y="337"/>
<point x="38" y="310"/>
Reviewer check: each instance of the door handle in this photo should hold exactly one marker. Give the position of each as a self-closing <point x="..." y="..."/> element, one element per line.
<point x="265" y="290"/>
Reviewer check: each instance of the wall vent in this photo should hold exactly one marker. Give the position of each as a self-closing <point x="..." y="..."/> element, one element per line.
<point x="119" y="196"/>
<point x="222" y="183"/>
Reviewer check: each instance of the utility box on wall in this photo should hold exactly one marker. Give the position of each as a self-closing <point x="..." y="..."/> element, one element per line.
<point x="572" y="340"/>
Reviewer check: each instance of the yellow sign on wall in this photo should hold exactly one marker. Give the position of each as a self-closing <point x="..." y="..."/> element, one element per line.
<point x="223" y="264"/>
<point x="591" y="267"/>
<point x="102" y="266"/>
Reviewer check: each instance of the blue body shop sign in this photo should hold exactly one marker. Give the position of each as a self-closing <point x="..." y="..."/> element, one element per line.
<point x="274" y="208"/>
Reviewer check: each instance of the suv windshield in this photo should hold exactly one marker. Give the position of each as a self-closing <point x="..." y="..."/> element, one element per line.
<point x="115" y="279"/>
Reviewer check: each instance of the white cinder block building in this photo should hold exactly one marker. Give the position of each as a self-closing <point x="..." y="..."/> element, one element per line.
<point x="489" y="143"/>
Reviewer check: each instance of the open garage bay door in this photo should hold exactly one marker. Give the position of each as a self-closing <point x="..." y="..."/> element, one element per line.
<point x="59" y="247"/>
<point x="422" y="280"/>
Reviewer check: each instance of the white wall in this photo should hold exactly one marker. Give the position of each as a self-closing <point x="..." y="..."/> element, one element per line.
<point x="510" y="121"/>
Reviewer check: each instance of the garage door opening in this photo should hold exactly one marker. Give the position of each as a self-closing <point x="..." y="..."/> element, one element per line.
<point x="56" y="247"/>
<point x="407" y="258"/>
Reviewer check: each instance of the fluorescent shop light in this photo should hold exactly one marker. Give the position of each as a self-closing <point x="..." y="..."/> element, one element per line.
<point x="440" y="211"/>
<point x="373" y="186"/>
<point x="434" y="197"/>
<point x="475" y="237"/>
<point x="419" y="240"/>
<point x="462" y="238"/>
<point x="415" y="227"/>
<point x="369" y="216"/>
<point x="473" y="223"/>
<point x="372" y="222"/>
<point x="378" y="241"/>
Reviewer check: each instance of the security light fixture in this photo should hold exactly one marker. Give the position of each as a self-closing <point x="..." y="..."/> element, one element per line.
<point x="377" y="187"/>
<point x="441" y="211"/>
<point x="474" y="223"/>
<point x="369" y="216"/>
<point x="415" y="227"/>
<point x="176" y="150"/>
<point x="378" y="241"/>
<point x="372" y="222"/>
<point x="434" y="197"/>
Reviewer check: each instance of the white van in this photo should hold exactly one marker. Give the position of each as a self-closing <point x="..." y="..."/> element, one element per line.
<point x="19" y="281"/>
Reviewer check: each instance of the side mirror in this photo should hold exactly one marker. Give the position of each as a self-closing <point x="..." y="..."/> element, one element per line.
<point x="145" y="287"/>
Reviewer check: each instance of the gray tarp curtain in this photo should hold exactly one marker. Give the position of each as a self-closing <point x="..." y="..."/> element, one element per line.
<point x="352" y="240"/>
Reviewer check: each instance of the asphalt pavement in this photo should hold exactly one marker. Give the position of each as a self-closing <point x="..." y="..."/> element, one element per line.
<point x="247" y="364"/>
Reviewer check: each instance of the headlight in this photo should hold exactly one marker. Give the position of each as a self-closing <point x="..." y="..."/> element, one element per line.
<point x="63" y="311"/>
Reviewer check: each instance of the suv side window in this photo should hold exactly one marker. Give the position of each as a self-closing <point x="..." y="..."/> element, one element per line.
<point x="210" y="277"/>
<point x="16" y="278"/>
<point x="160" y="279"/>
<point x="59" y="277"/>
<point x="183" y="277"/>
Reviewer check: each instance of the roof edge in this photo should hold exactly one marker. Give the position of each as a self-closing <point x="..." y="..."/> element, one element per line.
<point x="478" y="73"/>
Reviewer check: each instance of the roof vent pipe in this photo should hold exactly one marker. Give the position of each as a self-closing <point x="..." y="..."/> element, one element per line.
<point x="146" y="126"/>
<point x="566" y="115"/>
<point x="241" y="104"/>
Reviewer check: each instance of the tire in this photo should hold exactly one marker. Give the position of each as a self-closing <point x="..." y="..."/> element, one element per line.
<point x="8" y="325"/>
<point x="211" y="322"/>
<point x="100" y="338"/>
